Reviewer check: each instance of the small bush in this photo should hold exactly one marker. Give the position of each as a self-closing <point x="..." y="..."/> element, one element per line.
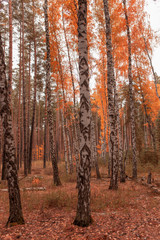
<point x="59" y="199"/>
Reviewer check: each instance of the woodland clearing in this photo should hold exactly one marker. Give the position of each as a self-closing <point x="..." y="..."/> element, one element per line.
<point x="131" y="212"/>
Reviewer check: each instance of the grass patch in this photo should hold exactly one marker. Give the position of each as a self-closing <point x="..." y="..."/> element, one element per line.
<point x="102" y="199"/>
<point x="59" y="199"/>
<point x="69" y="178"/>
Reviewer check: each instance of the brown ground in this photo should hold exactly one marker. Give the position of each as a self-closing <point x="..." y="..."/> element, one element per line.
<point x="132" y="212"/>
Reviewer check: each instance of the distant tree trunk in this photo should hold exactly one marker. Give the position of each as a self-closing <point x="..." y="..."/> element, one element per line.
<point x="29" y="101"/>
<point x="131" y="98"/>
<point x="45" y="132"/>
<point x="65" y="110"/>
<point x="24" y="98"/>
<point x="57" y="181"/>
<point x="19" y="99"/>
<point x="94" y="149"/>
<point x="113" y="144"/>
<point x="119" y="132"/>
<point x="15" y="215"/>
<point x="104" y="145"/>
<point x="148" y="119"/>
<point x="105" y="119"/>
<point x="69" y="149"/>
<point x="65" y="144"/>
<point x="83" y="216"/>
<point x="35" y="93"/>
<point x="122" y="174"/>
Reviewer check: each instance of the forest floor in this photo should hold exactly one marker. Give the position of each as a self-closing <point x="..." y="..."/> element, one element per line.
<point x="131" y="212"/>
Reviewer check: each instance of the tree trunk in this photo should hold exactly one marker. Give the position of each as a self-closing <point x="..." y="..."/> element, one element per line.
<point x="29" y="101"/>
<point x="10" y="49"/>
<point x="65" y="144"/>
<point x="15" y="215"/>
<point x="94" y="149"/>
<point x="24" y="98"/>
<point x="57" y="181"/>
<point x="131" y="98"/>
<point x="45" y="132"/>
<point x="35" y="93"/>
<point x="19" y="99"/>
<point x="83" y="216"/>
<point x="113" y="143"/>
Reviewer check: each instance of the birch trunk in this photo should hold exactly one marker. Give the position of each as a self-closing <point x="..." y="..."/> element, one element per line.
<point x="83" y="216"/>
<point x="57" y="181"/>
<point x="113" y="144"/>
<point x="131" y="98"/>
<point x="15" y="213"/>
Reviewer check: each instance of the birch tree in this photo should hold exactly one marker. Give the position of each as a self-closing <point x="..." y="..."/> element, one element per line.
<point x="15" y="213"/>
<point x="113" y="144"/>
<point x="83" y="216"/>
<point x="131" y="98"/>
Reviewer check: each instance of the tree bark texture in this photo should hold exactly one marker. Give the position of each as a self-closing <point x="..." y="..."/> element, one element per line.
<point x="131" y="98"/>
<point x="57" y="181"/>
<point x="15" y="214"/>
<point x="83" y="216"/>
<point x="10" y="49"/>
<point x="113" y="143"/>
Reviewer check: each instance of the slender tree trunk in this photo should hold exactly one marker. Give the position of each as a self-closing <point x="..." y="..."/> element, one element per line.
<point x="113" y="143"/>
<point x="45" y="132"/>
<point x="35" y="93"/>
<point x="64" y="110"/>
<point x="69" y="149"/>
<point x="83" y="216"/>
<point x="104" y="145"/>
<point x="65" y="144"/>
<point x="15" y="214"/>
<point x="131" y="98"/>
<point x="149" y="121"/>
<point x="94" y="149"/>
<point x="57" y="181"/>
<point x="29" y="96"/>
<point x="122" y="174"/>
<point x="24" y="98"/>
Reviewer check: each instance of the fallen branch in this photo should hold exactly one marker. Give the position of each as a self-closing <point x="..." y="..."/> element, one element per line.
<point x="27" y="189"/>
